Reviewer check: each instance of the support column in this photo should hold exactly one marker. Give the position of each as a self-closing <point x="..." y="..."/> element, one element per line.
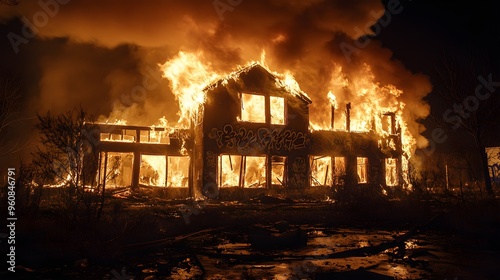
<point x="269" y="171"/>
<point x="348" y="117"/>
<point x="136" y="169"/>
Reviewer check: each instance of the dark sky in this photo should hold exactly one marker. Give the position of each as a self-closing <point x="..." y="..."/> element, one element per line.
<point x="428" y="35"/>
<point x="428" y="30"/>
<point x="92" y="53"/>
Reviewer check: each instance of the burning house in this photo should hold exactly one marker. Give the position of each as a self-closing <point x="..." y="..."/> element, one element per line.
<point x="252" y="133"/>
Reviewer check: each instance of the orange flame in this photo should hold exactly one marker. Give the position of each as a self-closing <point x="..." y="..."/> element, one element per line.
<point x="188" y="76"/>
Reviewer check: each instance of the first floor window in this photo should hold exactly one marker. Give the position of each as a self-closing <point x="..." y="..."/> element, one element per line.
<point x="362" y="163"/>
<point x="241" y="171"/>
<point x="391" y="172"/>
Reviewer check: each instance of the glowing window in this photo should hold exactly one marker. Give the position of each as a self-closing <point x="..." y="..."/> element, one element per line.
<point x="339" y="173"/>
<point x="255" y="172"/>
<point x="116" y="170"/>
<point x="242" y="171"/>
<point x="104" y="136"/>
<point x="144" y="136"/>
<point x="229" y="170"/>
<point x="253" y="108"/>
<point x="321" y="171"/>
<point x="129" y="135"/>
<point x="178" y="171"/>
<point x="160" y="137"/>
<point x="116" y="137"/>
<point x="152" y="171"/>
<point x="278" y="170"/>
<point x="361" y="169"/>
<point x="277" y="110"/>
<point x="391" y="172"/>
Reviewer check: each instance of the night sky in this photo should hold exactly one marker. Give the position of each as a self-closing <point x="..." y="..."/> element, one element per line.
<point x="90" y="52"/>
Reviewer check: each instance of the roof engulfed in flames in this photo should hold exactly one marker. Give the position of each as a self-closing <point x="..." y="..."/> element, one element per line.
<point x="189" y="76"/>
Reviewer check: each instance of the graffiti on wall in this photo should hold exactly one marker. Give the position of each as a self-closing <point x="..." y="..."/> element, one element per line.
<point x="299" y="176"/>
<point x="272" y="139"/>
<point x="349" y="146"/>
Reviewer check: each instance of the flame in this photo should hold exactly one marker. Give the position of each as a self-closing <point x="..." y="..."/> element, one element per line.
<point x="116" y="122"/>
<point x="152" y="170"/>
<point x="370" y="101"/>
<point x="287" y="81"/>
<point x="252" y="108"/>
<point x="178" y="171"/>
<point x="188" y="76"/>
<point x="332" y="99"/>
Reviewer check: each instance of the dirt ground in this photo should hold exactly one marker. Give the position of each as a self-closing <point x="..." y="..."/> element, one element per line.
<point x="266" y="238"/>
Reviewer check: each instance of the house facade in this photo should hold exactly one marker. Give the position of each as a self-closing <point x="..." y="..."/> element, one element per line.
<point x="252" y="134"/>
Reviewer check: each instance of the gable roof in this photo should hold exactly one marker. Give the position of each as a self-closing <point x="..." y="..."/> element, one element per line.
<point x="294" y="90"/>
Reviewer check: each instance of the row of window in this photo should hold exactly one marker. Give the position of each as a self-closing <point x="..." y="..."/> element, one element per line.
<point x="253" y="109"/>
<point x="232" y="170"/>
<point x="155" y="170"/>
<point x="130" y="135"/>
<point x="250" y="171"/>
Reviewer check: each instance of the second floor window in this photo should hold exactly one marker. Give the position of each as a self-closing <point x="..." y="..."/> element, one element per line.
<point x="253" y="109"/>
<point x="277" y="110"/>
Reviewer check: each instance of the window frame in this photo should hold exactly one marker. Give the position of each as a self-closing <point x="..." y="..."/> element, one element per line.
<point x="268" y="118"/>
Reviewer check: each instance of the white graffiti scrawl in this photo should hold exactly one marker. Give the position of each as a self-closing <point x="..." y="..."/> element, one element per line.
<point x="267" y="138"/>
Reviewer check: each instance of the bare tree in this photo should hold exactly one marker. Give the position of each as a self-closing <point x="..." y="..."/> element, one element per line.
<point x="68" y="159"/>
<point x="467" y="89"/>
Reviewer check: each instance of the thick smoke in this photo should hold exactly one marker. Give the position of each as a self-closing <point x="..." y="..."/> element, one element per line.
<point x="104" y="55"/>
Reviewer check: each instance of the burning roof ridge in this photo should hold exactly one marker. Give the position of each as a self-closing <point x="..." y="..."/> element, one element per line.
<point x="297" y="92"/>
<point x="233" y="74"/>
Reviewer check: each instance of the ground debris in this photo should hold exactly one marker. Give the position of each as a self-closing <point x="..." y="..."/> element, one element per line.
<point x="267" y="199"/>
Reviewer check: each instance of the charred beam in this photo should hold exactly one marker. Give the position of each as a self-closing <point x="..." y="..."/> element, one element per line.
<point x="332" y="120"/>
<point x="348" y="117"/>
